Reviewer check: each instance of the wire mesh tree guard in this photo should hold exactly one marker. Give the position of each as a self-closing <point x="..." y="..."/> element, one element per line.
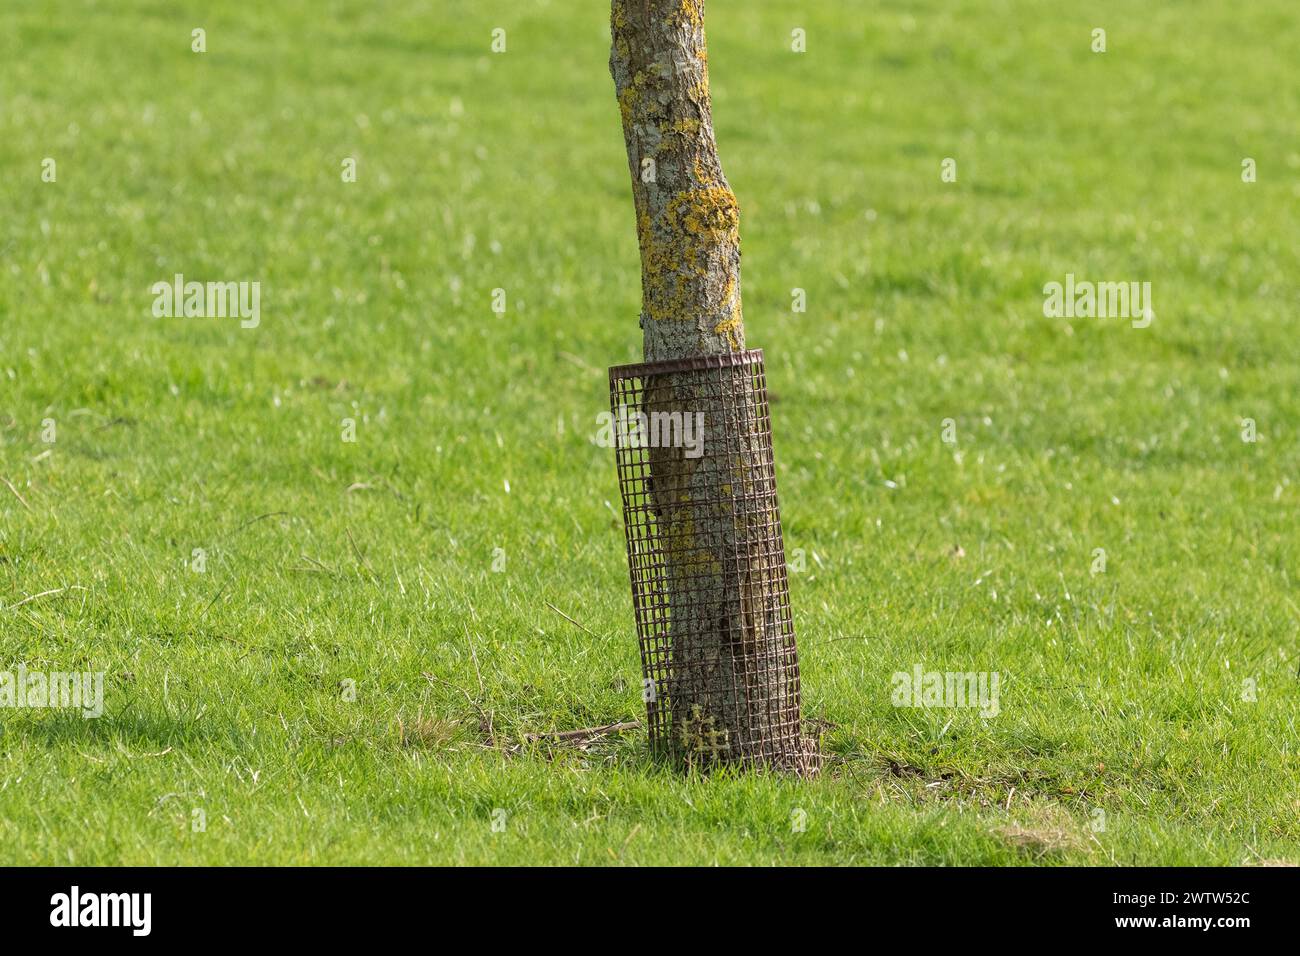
<point x="693" y="447"/>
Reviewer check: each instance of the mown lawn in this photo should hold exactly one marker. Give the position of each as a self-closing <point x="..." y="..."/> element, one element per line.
<point x="333" y="566"/>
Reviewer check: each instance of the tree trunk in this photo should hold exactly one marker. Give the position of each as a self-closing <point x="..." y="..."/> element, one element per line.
<point x="725" y="682"/>
<point x="687" y="221"/>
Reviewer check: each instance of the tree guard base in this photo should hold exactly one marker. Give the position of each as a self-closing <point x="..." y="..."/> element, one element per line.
<point x="693" y="446"/>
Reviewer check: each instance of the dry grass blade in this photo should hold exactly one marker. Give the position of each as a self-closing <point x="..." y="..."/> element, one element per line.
<point x="11" y="487"/>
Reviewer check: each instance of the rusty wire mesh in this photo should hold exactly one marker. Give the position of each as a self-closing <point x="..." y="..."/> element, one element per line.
<point x="697" y="479"/>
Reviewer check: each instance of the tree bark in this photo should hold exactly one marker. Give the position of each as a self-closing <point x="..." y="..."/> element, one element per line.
<point x="726" y="684"/>
<point x="687" y="220"/>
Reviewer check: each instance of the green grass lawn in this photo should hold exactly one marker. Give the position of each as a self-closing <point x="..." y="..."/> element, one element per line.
<point x="333" y="565"/>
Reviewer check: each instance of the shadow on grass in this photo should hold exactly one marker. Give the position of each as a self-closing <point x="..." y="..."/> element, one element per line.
<point x="134" y="731"/>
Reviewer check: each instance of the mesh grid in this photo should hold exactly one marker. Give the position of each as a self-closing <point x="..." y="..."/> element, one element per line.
<point x="696" y="474"/>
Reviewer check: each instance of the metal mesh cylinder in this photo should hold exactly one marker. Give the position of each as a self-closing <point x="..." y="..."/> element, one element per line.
<point x="695" y="468"/>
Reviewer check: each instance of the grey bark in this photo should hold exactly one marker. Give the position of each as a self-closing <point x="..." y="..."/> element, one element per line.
<point x="723" y="680"/>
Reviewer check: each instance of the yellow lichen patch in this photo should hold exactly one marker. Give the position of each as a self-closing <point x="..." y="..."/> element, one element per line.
<point x="731" y="325"/>
<point x="680" y="543"/>
<point x="629" y="98"/>
<point x="687" y="11"/>
<point x="701" y="736"/>
<point x="639" y="98"/>
<point x="703" y="175"/>
<point x="683" y="127"/>
<point x="706" y="216"/>
<point x="699" y="91"/>
<point x="699" y="229"/>
<point x="659" y="275"/>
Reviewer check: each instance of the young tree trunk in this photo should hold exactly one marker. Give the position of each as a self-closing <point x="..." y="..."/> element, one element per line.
<point x="726" y="682"/>
<point x="687" y="221"/>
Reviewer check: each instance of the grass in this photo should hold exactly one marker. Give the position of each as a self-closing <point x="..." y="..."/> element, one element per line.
<point x="371" y="562"/>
